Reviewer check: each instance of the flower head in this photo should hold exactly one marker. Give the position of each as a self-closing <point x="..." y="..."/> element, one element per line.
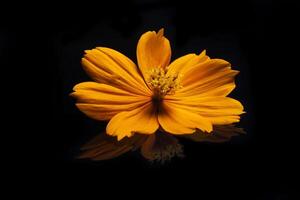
<point x="180" y="97"/>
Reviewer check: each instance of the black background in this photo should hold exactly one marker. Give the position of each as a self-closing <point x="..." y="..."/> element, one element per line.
<point x="42" y="45"/>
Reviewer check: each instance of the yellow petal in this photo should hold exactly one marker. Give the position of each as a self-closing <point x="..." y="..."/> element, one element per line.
<point x="153" y="50"/>
<point x="108" y="66"/>
<point x="185" y="62"/>
<point x="142" y="120"/>
<point x="102" y="102"/>
<point x="176" y="120"/>
<point x="218" y="110"/>
<point x="213" y="77"/>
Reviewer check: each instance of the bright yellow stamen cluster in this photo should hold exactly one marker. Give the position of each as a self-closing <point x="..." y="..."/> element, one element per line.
<point x="162" y="83"/>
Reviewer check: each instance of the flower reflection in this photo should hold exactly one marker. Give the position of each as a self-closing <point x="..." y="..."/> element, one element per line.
<point x="221" y="133"/>
<point x="159" y="147"/>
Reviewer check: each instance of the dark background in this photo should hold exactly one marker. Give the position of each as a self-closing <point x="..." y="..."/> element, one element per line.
<point x="42" y="45"/>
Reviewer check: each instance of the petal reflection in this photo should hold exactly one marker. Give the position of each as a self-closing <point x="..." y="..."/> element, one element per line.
<point x="104" y="147"/>
<point x="161" y="147"/>
<point x="220" y="133"/>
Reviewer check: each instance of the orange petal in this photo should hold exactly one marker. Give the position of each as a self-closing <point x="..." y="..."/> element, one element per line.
<point x="102" y="102"/>
<point x="213" y="77"/>
<point x="185" y="62"/>
<point x="218" y="110"/>
<point x="142" y="120"/>
<point x="108" y="66"/>
<point x="153" y="50"/>
<point x="176" y="120"/>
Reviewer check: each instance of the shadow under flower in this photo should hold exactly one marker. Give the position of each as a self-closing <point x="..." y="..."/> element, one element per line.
<point x="159" y="147"/>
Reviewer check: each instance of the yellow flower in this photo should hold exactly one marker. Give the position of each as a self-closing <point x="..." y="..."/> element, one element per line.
<point x="180" y="97"/>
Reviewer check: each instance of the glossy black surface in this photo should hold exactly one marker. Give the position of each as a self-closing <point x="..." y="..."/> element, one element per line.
<point x="259" y="38"/>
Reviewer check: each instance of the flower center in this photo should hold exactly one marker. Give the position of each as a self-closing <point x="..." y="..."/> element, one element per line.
<point x="162" y="83"/>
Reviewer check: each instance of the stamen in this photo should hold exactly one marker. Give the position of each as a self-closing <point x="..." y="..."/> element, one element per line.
<point x="162" y="83"/>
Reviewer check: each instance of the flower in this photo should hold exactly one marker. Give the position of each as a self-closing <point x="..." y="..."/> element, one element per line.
<point x="179" y="98"/>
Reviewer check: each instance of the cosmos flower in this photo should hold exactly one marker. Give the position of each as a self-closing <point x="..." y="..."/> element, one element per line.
<point x="179" y="98"/>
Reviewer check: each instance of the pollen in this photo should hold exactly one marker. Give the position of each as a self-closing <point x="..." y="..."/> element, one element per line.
<point x="161" y="82"/>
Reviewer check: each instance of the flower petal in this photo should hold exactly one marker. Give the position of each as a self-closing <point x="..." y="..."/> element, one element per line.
<point x="153" y="50"/>
<point x="102" y="102"/>
<point x="204" y="91"/>
<point x="213" y="77"/>
<point x="176" y="120"/>
<point x="218" y="110"/>
<point x="108" y="66"/>
<point x="142" y="120"/>
<point x="185" y="62"/>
